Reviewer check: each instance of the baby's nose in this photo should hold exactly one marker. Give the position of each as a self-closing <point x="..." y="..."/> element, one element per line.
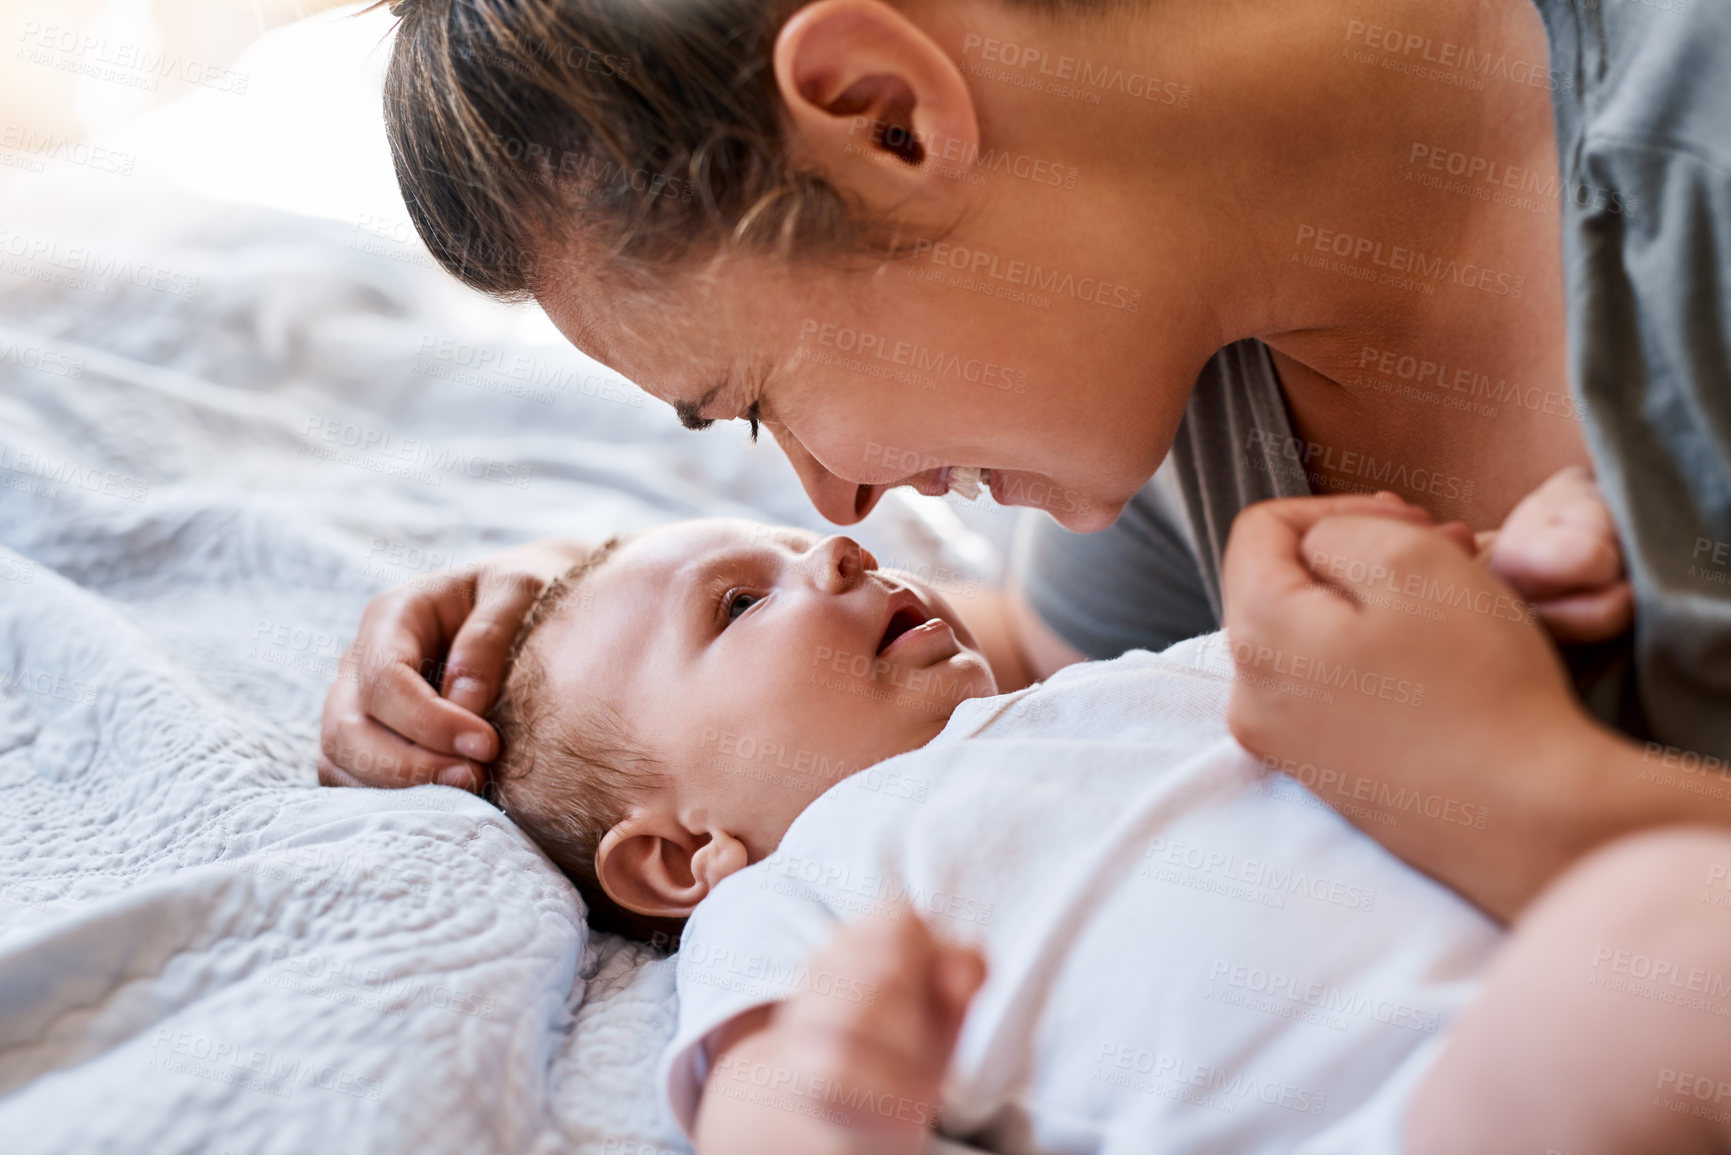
<point x="839" y="563"/>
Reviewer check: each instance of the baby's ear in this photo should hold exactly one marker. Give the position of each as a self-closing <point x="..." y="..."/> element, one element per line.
<point x="651" y="865"/>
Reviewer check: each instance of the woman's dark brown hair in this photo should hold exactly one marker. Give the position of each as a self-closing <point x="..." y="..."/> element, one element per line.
<point x="649" y="128"/>
<point x="649" y="131"/>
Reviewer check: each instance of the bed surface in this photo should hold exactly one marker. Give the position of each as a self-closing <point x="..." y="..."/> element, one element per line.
<point x="223" y="427"/>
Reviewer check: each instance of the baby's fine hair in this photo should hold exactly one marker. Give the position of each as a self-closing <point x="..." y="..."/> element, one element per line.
<point x="568" y="771"/>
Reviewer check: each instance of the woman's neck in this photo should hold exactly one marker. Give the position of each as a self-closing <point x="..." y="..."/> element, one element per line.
<point x="1357" y="149"/>
<point x="1389" y="175"/>
<point x="1361" y="186"/>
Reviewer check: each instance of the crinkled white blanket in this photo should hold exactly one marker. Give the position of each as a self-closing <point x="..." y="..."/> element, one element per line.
<point x="223" y="429"/>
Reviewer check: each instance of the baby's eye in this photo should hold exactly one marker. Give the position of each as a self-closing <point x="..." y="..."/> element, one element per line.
<point x="738" y="602"/>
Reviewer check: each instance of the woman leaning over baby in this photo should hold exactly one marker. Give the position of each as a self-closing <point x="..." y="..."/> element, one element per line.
<point x="1063" y="242"/>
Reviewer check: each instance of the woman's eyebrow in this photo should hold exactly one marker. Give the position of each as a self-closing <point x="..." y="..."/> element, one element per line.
<point x="691" y="412"/>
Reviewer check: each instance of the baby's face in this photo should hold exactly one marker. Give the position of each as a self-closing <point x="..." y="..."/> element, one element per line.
<point x="761" y="665"/>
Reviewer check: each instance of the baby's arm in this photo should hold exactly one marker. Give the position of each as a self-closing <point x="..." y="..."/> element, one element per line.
<point x="854" y="1071"/>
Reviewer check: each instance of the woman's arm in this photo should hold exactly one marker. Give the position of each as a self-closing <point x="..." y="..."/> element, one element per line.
<point x="1379" y="661"/>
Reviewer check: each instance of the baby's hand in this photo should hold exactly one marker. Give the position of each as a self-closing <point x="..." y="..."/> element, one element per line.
<point x="1558" y="548"/>
<point x="852" y="1063"/>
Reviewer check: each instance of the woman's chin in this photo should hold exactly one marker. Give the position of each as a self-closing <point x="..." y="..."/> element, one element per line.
<point x="1073" y="509"/>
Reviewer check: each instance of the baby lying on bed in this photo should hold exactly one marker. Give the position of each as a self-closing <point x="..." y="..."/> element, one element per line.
<point x="757" y="730"/>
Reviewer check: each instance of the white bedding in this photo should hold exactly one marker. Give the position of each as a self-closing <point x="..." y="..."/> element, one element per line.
<point x="222" y="429"/>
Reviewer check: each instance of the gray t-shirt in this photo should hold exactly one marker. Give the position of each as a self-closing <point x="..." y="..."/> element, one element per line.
<point x="1643" y="116"/>
<point x="1153" y="577"/>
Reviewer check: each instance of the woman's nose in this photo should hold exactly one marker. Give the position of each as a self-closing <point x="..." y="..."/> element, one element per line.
<point x="838" y="564"/>
<point x="840" y="502"/>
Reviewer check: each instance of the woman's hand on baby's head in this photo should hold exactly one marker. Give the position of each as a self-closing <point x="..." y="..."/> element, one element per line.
<point x="1558" y="549"/>
<point x="384" y="723"/>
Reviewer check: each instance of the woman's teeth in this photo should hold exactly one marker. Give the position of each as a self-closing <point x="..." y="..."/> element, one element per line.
<point x="966" y="480"/>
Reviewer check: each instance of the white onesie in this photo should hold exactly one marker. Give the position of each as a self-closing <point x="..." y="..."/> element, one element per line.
<point x="1185" y="953"/>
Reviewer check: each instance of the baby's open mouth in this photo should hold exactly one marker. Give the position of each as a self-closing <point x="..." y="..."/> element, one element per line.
<point x="907" y="618"/>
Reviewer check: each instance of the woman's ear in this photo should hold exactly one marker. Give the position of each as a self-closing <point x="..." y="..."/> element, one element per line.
<point x="651" y="865"/>
<point x="876" y="106"/>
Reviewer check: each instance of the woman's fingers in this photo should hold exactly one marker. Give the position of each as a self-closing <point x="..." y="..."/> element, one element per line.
<point x="404" y="635"/>
<point x="1418" y="676"/>
<point x="475" y="670"/>
<point x="384" y="725"/>
<point x="331" y="774"/>
<point x="403" y="701"/>
<point x="357" y="751"/>
<point x="1265" y="573"/>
